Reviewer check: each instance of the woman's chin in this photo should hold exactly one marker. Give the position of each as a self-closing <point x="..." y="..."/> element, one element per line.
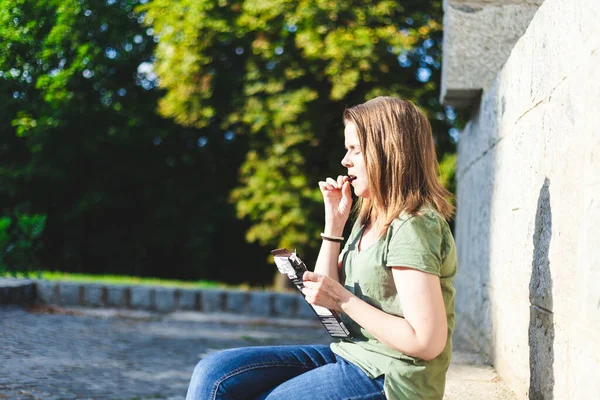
<point x="362" y="193"/>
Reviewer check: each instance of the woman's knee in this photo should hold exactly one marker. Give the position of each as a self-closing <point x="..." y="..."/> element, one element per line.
<point x="208" y="374"/>
<point x="210" y="364"/>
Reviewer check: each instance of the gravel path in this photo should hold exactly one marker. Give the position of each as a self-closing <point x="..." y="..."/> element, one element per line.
<point x="107" y="354"/>
<point x="53" y="353"/>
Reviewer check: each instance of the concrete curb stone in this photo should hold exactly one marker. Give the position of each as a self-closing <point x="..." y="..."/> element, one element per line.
<point x="94" y="295"/>
<point x="260" y="304"/>
<point x="141" y="298"/>
<point x="159" y="299"/>
<point x="189" y="299"/>
<point x="305" y="310"/>
<point x="236" y="301"/>
<point x="27" y="294"/>
<point x="17" y="291"/>
<point x="164" y="299"/>
<point x="285" y="305"/>
<point x="47" y="291"/>
<point x="117" y="296"/>
<point x="69" y="294"/>
<point x="213" y="300"/>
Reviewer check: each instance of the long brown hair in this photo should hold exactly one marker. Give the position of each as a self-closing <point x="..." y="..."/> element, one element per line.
<point x="397" y="143"/>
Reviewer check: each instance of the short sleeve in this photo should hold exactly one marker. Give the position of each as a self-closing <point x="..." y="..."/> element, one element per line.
<point x="416" y="243"/>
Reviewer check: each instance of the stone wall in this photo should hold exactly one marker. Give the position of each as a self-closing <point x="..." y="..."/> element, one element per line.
<point x="528" y="221"/>
<point x="478" y="37"/>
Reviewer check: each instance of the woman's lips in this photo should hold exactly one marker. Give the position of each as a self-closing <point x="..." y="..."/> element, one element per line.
<point x="351" y="178"/>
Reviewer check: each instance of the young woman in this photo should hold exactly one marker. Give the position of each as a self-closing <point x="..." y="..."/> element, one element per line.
<point x="391" y="283"/>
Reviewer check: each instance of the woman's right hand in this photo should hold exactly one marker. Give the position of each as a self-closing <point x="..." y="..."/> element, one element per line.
<point x="337" y="198"/>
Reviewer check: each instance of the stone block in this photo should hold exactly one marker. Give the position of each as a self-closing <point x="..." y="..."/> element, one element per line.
<point x="69" y="294"/>
<point x="188" y="299"/>
<point x="117" y="296"/>
<point x="259" y="303"/>
<point x="285" y="305"/>
<point x="47" y="292"/>
<point x="305" y="310"/>
<point x="236" y="301"/>
<point x="478" y="38"/>
<point x="29" y="293"/>
<point x="583" y="356"/>
<point x="141" y="297"/>
<point x="17" y="291"/>
<point x="164" y="299"/>
<point x="213" y="300"/>
<point x="93" y="295"/>
<point x="541" y="353"/>
<point x="16" y="295"/>
<point x="4" y="295"/>
<point x="12" y="282"/>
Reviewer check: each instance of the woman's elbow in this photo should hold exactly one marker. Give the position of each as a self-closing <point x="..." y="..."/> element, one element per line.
<point x="434" y="347"/>
<point x="425" y="350"/>
<point x="431" y="354"/>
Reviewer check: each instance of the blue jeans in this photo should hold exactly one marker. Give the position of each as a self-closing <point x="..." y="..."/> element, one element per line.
<point x="281" y="372"/>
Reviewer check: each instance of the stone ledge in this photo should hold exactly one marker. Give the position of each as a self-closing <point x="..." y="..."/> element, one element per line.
<point x="156" y="299"/>
<point x="478" y="38"/>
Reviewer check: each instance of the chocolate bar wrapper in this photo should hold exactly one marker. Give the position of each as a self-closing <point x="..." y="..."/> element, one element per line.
<point x="290" y="264"/>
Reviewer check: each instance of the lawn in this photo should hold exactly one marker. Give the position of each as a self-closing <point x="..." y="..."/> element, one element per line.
<point x="124" y="280"/>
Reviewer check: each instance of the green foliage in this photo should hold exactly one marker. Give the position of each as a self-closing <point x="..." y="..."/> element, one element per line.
<point x="281" y="73"/>
<point x="123" y="189"/>
<point x="448" y="173"/>
<point x="19" y="242"/>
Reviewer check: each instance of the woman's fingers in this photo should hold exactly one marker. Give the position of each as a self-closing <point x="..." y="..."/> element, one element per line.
<point x="346" y="191"/>
<point x="310" y="276"/>
<point x="333" y="183"/>
<point x="312" y="285"/>
<point x="312" y="280"/>
<point x="322" y="186"/>
<point x="321" y="290"/>
<point x="313" y="291"/>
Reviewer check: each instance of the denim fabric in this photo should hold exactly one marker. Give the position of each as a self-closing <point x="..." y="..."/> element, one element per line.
<point x="281" y="372"/>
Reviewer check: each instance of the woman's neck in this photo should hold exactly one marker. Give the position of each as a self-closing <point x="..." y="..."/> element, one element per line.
<point x="375" y="226"/>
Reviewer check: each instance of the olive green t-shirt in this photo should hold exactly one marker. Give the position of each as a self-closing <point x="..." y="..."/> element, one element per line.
<point x="423" y="242"/>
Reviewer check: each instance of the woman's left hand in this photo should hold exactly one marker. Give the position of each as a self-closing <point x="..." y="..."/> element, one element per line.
<point x="323" y="291"/>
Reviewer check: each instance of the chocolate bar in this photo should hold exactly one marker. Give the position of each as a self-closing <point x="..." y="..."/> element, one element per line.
<point x="291" y="265"/>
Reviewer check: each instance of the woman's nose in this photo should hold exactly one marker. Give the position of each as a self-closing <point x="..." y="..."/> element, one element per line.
<point x="346" y="161"/>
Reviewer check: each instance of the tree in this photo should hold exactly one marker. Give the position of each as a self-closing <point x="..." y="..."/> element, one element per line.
<point x="85" y="157"/>
<point x="280" y="73"/>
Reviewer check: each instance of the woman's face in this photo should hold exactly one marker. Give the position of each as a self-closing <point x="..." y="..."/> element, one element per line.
<point x="354" y="161"/>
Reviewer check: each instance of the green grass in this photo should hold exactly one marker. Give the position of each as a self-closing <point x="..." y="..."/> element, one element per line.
<point x="125" y="280"/>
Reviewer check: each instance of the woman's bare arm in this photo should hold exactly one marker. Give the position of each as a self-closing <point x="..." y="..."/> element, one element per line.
<point x="337" y="198"/>
<point x="328" y="260"/>
<point x="423" y="331"/>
